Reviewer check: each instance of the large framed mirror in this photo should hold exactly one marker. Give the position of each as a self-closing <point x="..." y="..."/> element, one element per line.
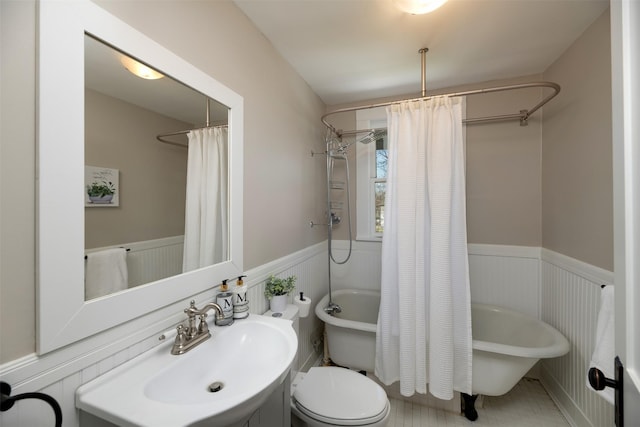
<point x="137" y="125"/>
<point x="108" y="187"/>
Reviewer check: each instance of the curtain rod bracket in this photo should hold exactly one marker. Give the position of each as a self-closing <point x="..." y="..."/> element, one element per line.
<point x="423" y="70"/>
<point x="524" y="118"/>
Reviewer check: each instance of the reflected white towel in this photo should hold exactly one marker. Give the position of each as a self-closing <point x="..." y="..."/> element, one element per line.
<point x="106" y="272"/>
<point x="604" y="351"/>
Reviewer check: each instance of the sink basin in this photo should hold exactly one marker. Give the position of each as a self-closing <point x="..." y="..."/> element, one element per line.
<point x="223" y="380"/>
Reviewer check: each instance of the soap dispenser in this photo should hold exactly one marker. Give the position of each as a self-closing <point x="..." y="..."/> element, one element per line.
<point x="240" y="301"/>
<point x="225" y="300"/>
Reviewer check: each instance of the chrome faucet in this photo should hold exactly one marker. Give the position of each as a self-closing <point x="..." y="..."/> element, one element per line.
<point x="188" y="338"/>
<point x="332" y="308"/>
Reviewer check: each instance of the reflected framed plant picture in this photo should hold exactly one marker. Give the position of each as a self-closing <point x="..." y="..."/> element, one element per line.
<point x="102" y="188"/>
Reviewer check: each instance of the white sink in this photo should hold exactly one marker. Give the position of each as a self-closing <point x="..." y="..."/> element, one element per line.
<point x="249" y="359"/>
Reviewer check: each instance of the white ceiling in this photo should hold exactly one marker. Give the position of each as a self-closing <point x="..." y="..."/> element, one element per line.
<point x="105" y="73"/>
<point x="354" y="50"/>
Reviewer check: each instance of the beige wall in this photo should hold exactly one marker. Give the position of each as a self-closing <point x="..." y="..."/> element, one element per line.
<point x="503" y="166"/>
<point x="17" y="181"/>
<point x="282" y="126"/>
<point x="343" y="121"/>
<point x="152" y="175"/>
<point x="577" y="176"/>
<point x="503" y="169"/>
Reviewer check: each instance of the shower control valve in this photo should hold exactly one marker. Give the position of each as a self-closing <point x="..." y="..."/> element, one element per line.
<point x="335" y="219"/>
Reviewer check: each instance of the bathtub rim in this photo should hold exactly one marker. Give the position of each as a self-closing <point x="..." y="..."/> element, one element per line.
<point x="560" y="345"/>
<point x="343" y="323"/>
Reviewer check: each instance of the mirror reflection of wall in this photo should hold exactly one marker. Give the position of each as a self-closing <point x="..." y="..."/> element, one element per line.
<point x="141" y="239"/>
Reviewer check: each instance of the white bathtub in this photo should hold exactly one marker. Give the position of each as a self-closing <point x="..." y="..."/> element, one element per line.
<point x="506" y="344"/>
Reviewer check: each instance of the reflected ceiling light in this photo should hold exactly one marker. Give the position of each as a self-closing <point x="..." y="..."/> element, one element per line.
<point x="418" y="7"/>
<point x="139" y="69"/>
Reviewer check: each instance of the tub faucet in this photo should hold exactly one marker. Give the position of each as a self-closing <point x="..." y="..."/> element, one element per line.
<point x="188" y="338"/>
<point x="332" y="308"/>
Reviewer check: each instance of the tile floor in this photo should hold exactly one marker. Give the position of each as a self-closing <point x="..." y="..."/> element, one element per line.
<point x="526" y="405"/>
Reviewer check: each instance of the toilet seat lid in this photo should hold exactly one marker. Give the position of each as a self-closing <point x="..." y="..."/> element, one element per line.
<point x="340" y="396"/>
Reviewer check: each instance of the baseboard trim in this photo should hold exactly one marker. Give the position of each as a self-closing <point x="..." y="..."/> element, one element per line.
<point x="571" y="412"/>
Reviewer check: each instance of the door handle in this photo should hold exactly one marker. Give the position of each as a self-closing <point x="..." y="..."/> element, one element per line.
<point x="599" y="381"/>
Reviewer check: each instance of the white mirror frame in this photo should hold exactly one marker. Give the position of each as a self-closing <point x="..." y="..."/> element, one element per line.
<point x="64" y="316"/>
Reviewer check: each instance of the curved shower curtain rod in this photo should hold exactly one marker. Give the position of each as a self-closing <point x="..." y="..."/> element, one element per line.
<point x="162" y="137"/>
<point x="523" y="115"/>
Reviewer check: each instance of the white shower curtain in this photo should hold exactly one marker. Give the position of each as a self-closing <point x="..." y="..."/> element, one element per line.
<point x="205" y="235"/>
<point x="424" y="323"/>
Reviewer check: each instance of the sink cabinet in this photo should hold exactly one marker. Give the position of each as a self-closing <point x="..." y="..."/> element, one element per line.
<point x="276" y="411"/>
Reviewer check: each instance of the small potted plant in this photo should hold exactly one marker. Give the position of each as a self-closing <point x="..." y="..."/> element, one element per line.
<point x="101" y="192"/>
<point x="277" y="290"/>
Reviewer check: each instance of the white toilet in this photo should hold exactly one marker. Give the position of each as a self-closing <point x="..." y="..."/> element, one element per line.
<point x="332" y="396"/>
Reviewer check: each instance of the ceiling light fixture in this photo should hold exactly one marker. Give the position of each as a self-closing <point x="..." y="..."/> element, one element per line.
<point x="418" y="7"/>
<point x="139" y="69"/>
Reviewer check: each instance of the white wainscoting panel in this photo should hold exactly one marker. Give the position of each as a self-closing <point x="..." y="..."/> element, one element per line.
<point x="362" y="271"/>
<point x="310" y="268"/>
<point x="61" y="372"/>
<point x="501" y="275"/>
<point x="561" y="291"/>
<point x="152" y="260"/>
<point x="570" y="303"/>
<point x="507" y="276"/>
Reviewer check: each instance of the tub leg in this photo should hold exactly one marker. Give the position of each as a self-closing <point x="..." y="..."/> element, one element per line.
<point x="468" y="406"/>
<point x="326" y="360"/>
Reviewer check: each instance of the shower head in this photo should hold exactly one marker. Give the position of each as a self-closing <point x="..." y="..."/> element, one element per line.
<point x="373" y="135"/>
<point x="339" y="143"/>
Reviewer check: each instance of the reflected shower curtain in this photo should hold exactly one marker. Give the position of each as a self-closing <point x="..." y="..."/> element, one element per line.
<point x="206" y="227"/>
<point x="424" y="323"/>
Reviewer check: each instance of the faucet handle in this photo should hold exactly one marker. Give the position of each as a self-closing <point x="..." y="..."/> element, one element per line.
<point x="203" y="328"/>
<point x="180" y="342"/>
<point x="191" y="311"/>
<point x="181" y="336"/>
